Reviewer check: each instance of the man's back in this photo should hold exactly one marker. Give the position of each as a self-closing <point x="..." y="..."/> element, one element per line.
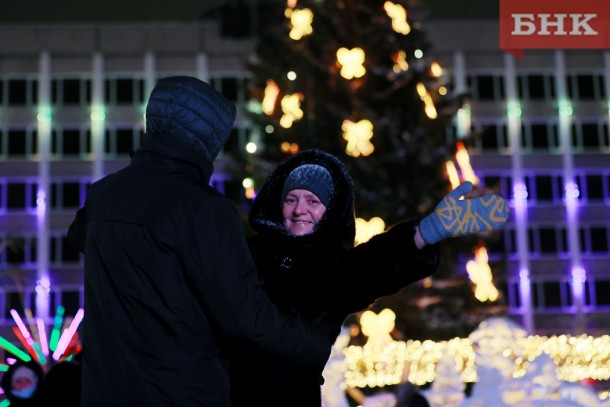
<point x="143" y="322"/>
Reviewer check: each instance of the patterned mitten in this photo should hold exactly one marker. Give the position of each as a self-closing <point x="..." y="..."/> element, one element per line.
<point x="453" y="217"/>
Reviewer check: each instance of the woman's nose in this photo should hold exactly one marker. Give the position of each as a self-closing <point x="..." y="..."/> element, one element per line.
<point x="300" y="208"/>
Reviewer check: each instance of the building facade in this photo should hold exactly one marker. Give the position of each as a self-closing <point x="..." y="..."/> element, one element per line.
<point x="72" y="99"/>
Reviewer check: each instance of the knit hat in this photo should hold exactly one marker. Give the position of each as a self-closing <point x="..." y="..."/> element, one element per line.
<point x="313" y="178"/>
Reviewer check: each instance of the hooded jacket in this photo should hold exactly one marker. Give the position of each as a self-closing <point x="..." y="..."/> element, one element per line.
<point x="168" y="275"/>
<point x="319" y="276"/>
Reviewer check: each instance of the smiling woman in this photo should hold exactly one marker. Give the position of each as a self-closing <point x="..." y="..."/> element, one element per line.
<point x="305" y="196"/>
<point x="302" y="210"/>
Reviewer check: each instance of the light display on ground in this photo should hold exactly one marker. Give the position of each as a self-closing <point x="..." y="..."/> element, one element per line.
<point x="497" y="342"/>
<point x="62" y="343"/>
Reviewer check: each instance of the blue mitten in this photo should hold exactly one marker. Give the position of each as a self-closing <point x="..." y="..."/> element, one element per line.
<point x="454" y="217"/>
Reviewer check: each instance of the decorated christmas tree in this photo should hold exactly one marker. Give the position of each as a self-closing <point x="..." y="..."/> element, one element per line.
<point x="358" y="78"/>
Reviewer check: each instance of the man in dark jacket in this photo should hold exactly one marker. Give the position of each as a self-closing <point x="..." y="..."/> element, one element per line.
<point x="168" y="274"/>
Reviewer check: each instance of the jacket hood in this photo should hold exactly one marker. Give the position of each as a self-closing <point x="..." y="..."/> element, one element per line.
<point x="337" y="226"/>
<point x="188" y="120"/>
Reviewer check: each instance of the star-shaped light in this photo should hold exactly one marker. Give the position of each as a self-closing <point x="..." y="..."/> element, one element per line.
<point x="351" y="62"/>
<point x="358" y="136"/>
<point x="291" y="107"/>
<point x="301" y="23"/>
<point x="367" y="229"/>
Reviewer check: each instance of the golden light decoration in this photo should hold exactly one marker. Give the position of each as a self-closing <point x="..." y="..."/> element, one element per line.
<point x="351" y="62"/>
<point x="291" y="148"/>
<point x="398" y="14"/>
<point x="367" y="229"/>
<point x="436" y="70"/>
<point x="479" y="273"/>
<point x="358" y="136"/>
<point x="291" y="107"/>
<point x="452" y="174"/>
<point x="424" y="95"/>
<point x="463" y="160"/>
<point x="576" y="358"/>
<point x="400" y="61"/>
<point x="272" y="91"/>
<point x="290" y="4"/>
<point x="301" y="23"/>
<point x="380" y="362"/>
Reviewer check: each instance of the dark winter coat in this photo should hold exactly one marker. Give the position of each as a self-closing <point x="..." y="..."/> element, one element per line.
<point x="168" y="274"/>
<point x="319" y="276"/>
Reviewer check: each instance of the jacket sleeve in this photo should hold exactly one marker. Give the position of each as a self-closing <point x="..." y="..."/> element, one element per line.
<point x="384" y="265"/>
<point x="225" y="277"/>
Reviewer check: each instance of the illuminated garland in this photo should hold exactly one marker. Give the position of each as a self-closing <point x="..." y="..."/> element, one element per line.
<point x="576" y="357"/>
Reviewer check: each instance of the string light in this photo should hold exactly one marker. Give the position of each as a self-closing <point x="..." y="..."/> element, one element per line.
<point x="398" y="14"/>
<point x="463" y="159"/>
<point x="400" y="61"/>
<point x="479" y="273"/>
<point x="576" y="358"/>
<point x="424" y="95"/>
<point x="272" y="91"/>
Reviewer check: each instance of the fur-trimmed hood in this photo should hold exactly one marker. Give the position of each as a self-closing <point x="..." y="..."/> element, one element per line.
<point x="337" y="227"/>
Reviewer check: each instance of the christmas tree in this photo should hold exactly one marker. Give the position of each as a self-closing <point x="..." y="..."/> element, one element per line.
<point x="356" y="78"/>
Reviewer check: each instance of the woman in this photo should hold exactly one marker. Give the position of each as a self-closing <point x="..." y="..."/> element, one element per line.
<point x="307" y="263"/>
<point x="304" y="251"/>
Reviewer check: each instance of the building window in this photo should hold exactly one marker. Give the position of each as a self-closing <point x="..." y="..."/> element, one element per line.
<point x="17" y="250"/>
<point x="491" y="137"/>
<point x="601" y="288"/>
<point x="60" y="251"/>
<point x="20" y="195"/>
<point x="594" y="239"/>
<point x="514" y="294"/>
<point x="14" y="300"/>
<point x="594" y="187"/>
<point x="22" y="92"/>
<point x="536" y="87"/>
<point x="599" y="239"/>
<point x="18" y="143"/>
<point x="71" y="91"/>
<point x="586" y="86"/>
<point x="547" y="240"/>
<point x="486" y="87"/>
<point x="551" y="295"/>
<point x="124" y="91"/>
<point x="233" y="87"/>
<point x="539" y="136"/>
<point x="72" y="301"/>
<point x="590" y="135"/>
<point x="66" y="194"/>
<point x="70" y="142"/>
<point x="122" y="141"/>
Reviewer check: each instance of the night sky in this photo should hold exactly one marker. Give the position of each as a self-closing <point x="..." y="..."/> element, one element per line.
<point x="37" y="11"/>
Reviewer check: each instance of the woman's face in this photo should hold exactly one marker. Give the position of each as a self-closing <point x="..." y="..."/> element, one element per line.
<point x="301" y="211"/>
